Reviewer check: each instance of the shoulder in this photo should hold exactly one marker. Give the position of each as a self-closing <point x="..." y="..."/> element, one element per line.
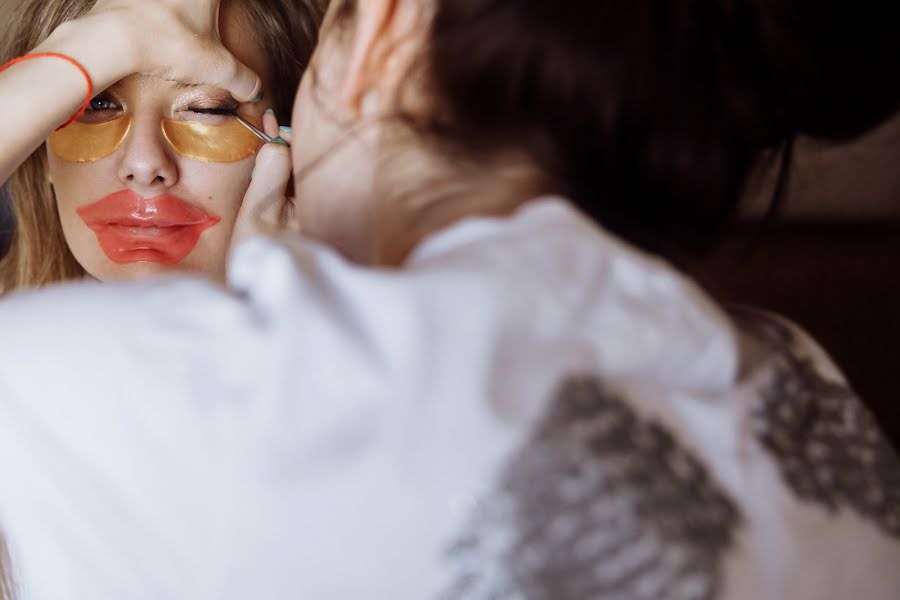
<point x="828" y="446"/>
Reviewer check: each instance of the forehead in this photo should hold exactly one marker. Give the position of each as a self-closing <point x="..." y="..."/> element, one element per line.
<point x="238" y="35"/>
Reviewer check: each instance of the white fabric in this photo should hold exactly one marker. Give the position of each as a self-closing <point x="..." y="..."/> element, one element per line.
<point x="321" y="430"/>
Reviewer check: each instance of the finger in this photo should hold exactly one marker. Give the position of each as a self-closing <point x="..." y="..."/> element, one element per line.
<point x="270" y="123"/>
<point x="264" y="202"/>
<point x="230" y="74"/>
<point x="287" y="134"/>
<point x="291" y="217"/>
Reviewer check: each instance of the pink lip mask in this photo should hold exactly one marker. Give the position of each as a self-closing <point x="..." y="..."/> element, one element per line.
<point x="133" y="229"/>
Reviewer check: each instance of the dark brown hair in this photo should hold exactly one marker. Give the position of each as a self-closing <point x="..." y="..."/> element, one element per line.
<point x="650" y="114"/>
<point x="287" y="31"/>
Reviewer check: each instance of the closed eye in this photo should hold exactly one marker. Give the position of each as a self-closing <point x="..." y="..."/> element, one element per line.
<point x="213" y="110"/>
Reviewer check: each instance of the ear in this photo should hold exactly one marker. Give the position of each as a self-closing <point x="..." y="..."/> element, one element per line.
<point x="378" y="50"/>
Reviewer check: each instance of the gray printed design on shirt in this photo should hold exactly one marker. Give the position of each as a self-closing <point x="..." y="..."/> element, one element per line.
<point x="828" y="446"/>
<point x="601" y="504"/>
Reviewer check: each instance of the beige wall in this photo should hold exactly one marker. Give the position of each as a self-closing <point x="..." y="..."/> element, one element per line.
<point x="859" y="180"/>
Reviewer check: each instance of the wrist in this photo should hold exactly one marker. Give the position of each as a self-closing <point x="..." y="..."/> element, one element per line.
<point x="106" y="62"/>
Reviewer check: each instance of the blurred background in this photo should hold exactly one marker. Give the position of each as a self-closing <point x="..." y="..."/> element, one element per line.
<point x="831" y="261"/>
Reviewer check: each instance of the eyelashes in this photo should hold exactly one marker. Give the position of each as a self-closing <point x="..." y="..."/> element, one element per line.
<point x="223" y="110"/>
<point x="101" y="109"/>
<point x="106" y="104"/>
<point x="101" y="104"/>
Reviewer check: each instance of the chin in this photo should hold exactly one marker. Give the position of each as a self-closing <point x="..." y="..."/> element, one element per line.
<point x="141" y="270"/>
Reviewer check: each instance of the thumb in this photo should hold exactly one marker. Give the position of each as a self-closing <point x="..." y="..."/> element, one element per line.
<point x="231" y="74"/>
<point x="263" y="209"/>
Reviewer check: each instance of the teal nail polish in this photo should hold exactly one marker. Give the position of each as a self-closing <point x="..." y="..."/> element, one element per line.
<point x="286" y="129"/>
<point x="280" y="141"/>
<point x="259" y="96"/>
<point x="269" y="110"/>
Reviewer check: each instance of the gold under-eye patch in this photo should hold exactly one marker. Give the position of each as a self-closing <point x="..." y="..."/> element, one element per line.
<point x="87" y="142"/>
<point x="229" y="142"/>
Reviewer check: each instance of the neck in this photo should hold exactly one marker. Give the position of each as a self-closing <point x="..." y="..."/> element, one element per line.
<point x="422" y="191"/>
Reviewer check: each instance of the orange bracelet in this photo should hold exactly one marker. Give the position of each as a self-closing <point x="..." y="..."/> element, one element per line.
<point x="73" y="62"/>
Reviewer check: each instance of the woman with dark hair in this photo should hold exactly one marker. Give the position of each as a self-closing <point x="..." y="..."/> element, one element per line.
<point x="463" y="378"/>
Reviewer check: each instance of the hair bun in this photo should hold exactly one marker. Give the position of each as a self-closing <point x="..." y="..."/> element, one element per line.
<point x="833" y="63"/>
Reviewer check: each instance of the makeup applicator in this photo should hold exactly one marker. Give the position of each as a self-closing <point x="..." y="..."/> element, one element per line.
<point x="259" y="132"/>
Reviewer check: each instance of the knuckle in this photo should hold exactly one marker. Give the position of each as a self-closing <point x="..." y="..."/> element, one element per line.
<point x="274" y="154"/>
<point x="228" y="67"/>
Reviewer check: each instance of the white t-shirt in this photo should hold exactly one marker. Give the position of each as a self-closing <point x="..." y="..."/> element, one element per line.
<point x="529" y="409"/>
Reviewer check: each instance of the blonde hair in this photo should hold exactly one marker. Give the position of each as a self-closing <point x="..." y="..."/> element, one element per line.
<point x="38" y="254"/>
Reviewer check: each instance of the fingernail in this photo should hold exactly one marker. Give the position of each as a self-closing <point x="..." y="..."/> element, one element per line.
<point x="270" y="111"/>
<point x="259" y="96"/>
<point x="286" y="129"/>
<point x="279" y="140"/>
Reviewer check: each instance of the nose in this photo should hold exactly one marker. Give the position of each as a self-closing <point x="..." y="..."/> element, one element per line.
<point x="146" y="162"/>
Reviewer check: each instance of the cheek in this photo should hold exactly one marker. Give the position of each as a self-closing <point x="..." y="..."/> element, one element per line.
<point x="218" y="187"/>
<point x="76" y="185"/>
<point x="336" y="198"/>
<point x="333" y="170"/>
<point x="75" y="181"/>
<point x="300" y="123"/>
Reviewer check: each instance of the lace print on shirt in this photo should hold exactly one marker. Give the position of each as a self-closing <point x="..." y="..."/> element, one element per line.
<point x="600" y="505"/>
<point x="829" y="449"/>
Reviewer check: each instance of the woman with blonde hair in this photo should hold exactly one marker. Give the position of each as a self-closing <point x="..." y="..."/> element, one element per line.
<point x="467" y="377"/>
<point x="58" y="237"/>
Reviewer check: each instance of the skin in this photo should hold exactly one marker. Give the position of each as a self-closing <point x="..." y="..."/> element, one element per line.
<point x="147" y="165"/>
<point x="358" y="80"/>
<point x="170" y="39"/>
<point x="349" y="88"/>
<point x="335" y="169"/>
